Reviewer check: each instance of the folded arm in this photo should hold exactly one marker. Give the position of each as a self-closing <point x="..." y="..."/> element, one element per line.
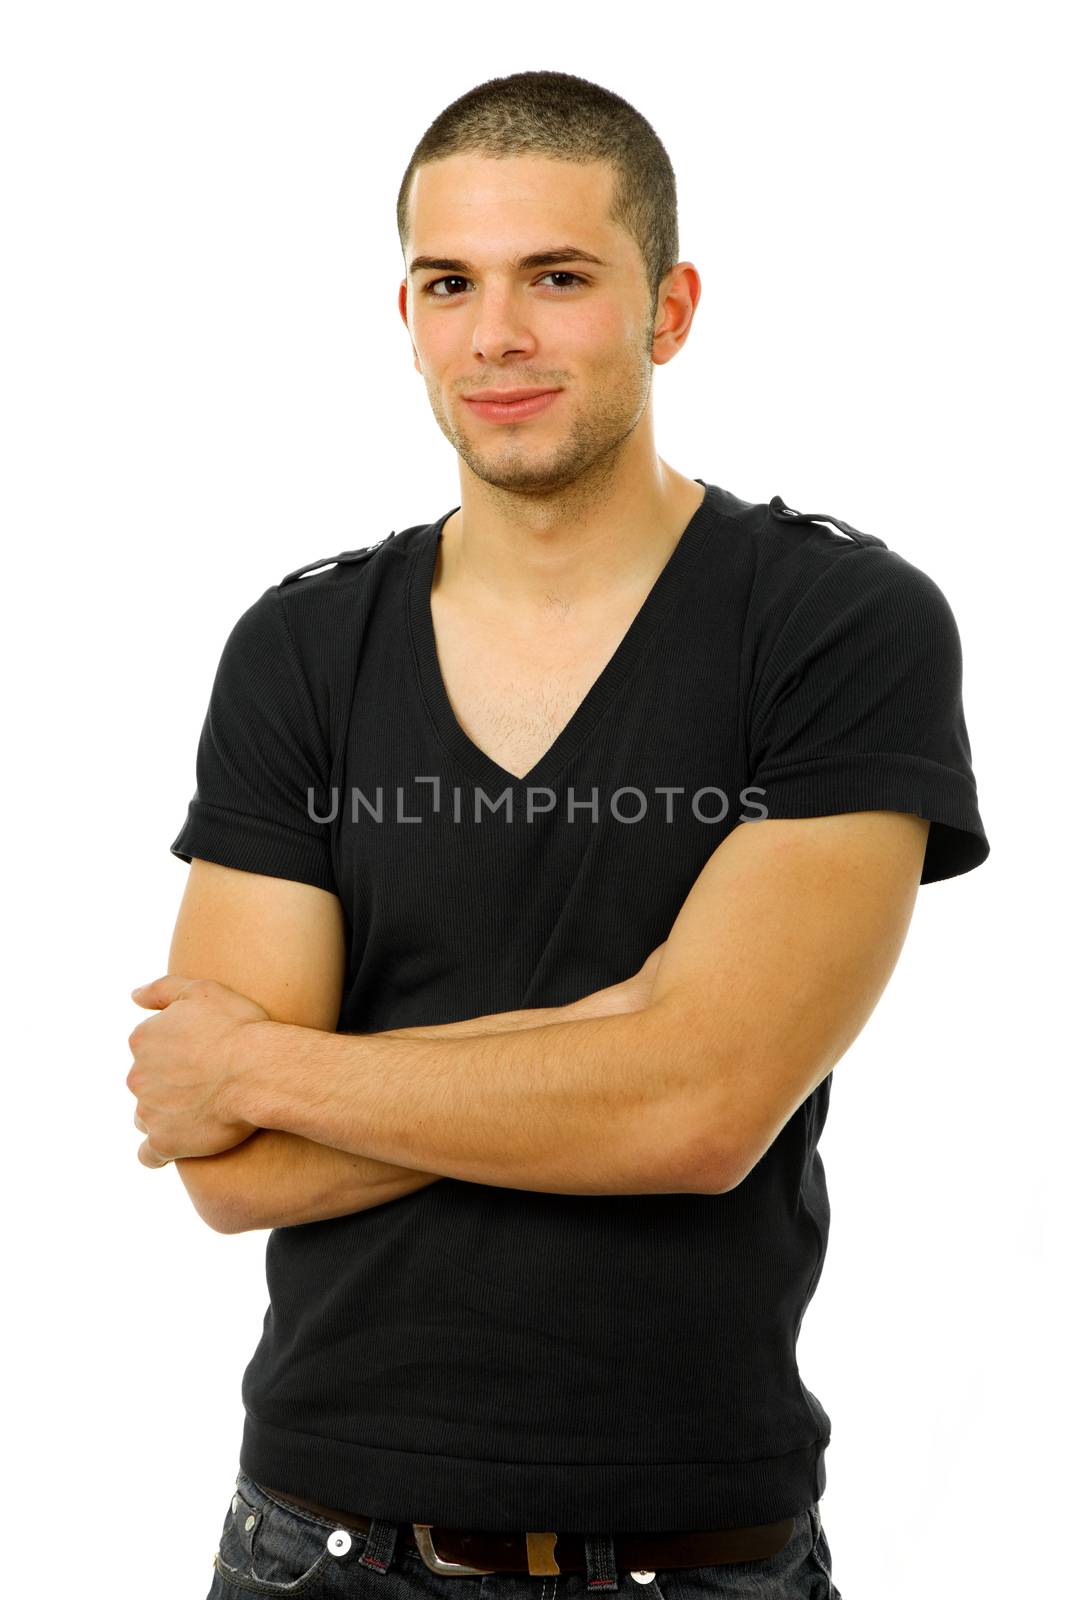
<point x="774" y="963"/>
<point x="282" y="943"/>
<point x="276" y="1179"/>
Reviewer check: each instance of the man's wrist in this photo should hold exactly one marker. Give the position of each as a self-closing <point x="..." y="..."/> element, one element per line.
<point x="254" y="1088"/>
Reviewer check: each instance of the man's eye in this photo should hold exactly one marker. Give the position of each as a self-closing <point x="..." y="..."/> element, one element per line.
<point x="430" y="287"/>
<point x="576" y="281"/>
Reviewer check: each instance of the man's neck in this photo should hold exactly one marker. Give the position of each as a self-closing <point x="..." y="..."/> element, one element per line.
<point x="513" y="570"/>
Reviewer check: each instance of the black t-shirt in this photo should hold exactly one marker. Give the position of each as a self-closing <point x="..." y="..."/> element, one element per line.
<point x="473" y="1355"/>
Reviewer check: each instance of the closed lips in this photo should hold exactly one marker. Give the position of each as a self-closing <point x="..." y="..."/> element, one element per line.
<point x="506" y="396"/>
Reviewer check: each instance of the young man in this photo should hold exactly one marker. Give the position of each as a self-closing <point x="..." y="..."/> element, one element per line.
<point x="496" y="1006"/>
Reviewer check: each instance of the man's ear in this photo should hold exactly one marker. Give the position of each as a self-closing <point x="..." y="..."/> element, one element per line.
<point x="402" y="302"/>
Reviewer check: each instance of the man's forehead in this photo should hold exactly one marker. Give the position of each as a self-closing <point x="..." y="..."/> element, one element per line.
<point x="556" y="194"/>
<point x="516" y="213"/>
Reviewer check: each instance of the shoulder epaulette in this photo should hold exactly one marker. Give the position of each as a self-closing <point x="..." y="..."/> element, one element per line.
<point x="786" y="513"/>
<point x="343" y="558"/>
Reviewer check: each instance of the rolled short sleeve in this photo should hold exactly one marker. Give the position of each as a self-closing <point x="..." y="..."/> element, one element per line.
<point x="859" y="707"/>
<point x="262" y="766"/>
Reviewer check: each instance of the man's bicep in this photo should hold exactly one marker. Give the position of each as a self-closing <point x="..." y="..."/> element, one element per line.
<point x="777" y="958"/>
<point x="277" y="940"/>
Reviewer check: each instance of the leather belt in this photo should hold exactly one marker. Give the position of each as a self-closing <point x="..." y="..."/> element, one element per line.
<point x="460" y="1551"/>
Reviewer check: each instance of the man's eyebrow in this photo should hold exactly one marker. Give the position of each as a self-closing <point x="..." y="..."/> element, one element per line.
<point x="540" y="258"/>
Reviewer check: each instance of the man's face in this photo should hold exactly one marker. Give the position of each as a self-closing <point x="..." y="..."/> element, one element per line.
<point x="582" y="328"/>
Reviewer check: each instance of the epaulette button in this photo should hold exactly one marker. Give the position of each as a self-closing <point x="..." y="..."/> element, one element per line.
<point x="343" y="558"/>
<point x="784" y="513"/>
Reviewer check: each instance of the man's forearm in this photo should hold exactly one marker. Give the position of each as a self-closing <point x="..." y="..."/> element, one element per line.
<point x="279" y="1179"/>
<point x="604" y="1105"/>
<point x="276" y="1179"/>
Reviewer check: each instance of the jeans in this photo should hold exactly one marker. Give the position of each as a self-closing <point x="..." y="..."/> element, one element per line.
<point x="270" y="1548"/>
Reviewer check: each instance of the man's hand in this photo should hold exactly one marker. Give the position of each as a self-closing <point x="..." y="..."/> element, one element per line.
<point x="184" y="1070"/>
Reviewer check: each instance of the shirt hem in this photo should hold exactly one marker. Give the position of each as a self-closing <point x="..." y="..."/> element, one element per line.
<point x="253" y="844"/>
<point x="502" y="1496"/>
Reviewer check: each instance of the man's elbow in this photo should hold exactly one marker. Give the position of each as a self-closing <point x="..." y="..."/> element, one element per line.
<point x="230" y="1219"/>
<point x="708" y="1168"/>
<point x="728" y="1141"/>
<point x="215" y="1203"/>
<point x="690" y="1158"/>
<point x="706" y="1172"/>
<point x="691" y="1133"/>
<point x="743" y="1140"/>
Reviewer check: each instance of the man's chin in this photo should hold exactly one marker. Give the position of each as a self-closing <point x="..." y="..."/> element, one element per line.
<point x="519" y="477"/>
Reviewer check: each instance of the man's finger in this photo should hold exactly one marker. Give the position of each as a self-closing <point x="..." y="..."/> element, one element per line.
<point x="149" y="1157"/>
<point x="160" y="992"/>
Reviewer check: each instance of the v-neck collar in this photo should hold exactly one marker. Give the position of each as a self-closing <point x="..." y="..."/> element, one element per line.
<point x="471" y="757"/>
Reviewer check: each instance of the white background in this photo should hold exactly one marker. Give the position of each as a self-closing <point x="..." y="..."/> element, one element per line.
<point x="206" y="383"/>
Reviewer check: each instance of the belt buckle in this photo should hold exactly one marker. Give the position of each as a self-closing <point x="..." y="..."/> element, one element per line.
<point x="540" y="1555"/>
<point x="455" y="1569"/>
